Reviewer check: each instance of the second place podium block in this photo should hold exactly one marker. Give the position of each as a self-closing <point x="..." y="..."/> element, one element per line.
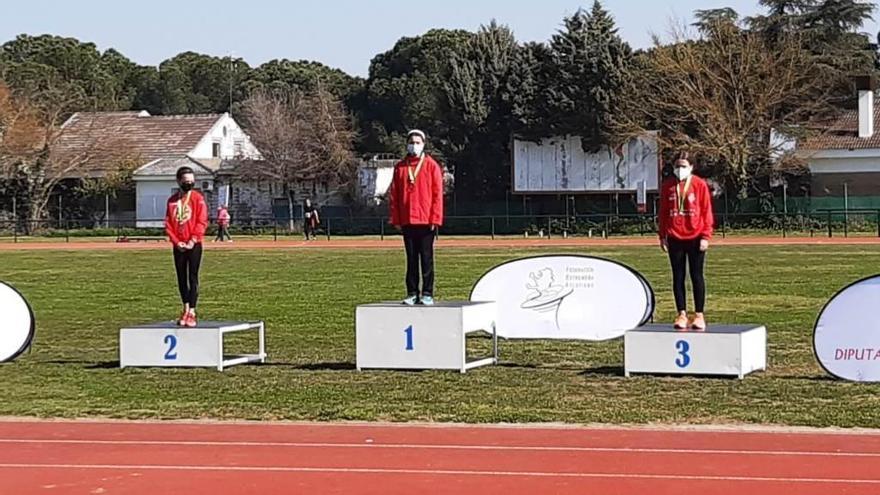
<point x="396" y="336"/>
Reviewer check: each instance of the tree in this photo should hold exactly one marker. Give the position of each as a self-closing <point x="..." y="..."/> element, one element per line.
<point x="829" y="30"/>
<point x="708" y="17"/>
<point x="195" y="83"/>
<point x="722" y="96"/>
<point x="106" y="187"/>
<point x="301" y="136"/>
<point x="37" y="64"/>
<point x="405" y="89"/>
<point x="478" y="108"/>
<point x="590" y="73"/>
<point x="34" y="156"/>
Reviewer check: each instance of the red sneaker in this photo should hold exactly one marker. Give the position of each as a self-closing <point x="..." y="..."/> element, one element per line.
<point x="181" y="322"/>
<point x="191" y="321"/>
<point x="699" y="323"/>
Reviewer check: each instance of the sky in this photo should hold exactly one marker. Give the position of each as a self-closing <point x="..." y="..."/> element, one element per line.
<point x="344" y="34"/>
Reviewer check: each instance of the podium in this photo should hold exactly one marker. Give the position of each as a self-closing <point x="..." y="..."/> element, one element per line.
<point x="724" y="350"/>
<point x="396" y="336"/>
<point x="165" y="344"/>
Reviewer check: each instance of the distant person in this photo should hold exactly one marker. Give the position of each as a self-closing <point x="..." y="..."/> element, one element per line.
<point x="186" y="220"/>
<point x="415" y="199"/>
<point x="223" y="219"/>
<point x="686" y="225"/>
<point x="311" y="220"/>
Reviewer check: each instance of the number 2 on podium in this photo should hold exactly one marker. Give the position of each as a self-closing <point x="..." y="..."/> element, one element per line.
<point x="171" y="342"/>
<point x="684" y="358"/>
<point x="409" y="338"/>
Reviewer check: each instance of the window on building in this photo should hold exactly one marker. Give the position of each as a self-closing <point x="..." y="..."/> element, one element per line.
<point x="215" y="150"/>
<point x="238" y="147"/>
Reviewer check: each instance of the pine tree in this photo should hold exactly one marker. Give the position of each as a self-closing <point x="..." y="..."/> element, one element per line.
<point x="591" y="67"/>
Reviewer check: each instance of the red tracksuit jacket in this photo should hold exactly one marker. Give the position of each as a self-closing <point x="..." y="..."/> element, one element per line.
<point x="419" y="203"/>
<point x="695" y="218"/>
<point x="194" y="220"/>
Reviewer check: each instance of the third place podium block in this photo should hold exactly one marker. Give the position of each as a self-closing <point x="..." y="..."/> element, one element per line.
<point x="727" y="350"/>
<point x="395" y="336"/>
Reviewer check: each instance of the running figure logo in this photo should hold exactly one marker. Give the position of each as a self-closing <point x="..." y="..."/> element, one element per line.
<point x="545" y="295"/>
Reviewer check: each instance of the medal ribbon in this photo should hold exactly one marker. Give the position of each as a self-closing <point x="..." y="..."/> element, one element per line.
<point x="414" y="174"/>
<point x="681" y="196"/>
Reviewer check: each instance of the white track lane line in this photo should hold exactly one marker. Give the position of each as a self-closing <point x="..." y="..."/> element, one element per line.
<point x="499" y="448"/>
<point x="441" y="472"/>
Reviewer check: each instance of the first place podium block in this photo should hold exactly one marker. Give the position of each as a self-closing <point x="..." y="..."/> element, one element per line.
<point x="396" y="336"/>
<point x="167" y="345"/>
<point x="726" y="350"/>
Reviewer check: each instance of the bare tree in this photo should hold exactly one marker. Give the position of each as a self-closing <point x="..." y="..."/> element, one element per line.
<point x="301" y="137"/>
<point x="724" y="94"/>
<point x="33" y="152"/>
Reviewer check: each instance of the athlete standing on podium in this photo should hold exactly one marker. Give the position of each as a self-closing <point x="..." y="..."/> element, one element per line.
<point x="415" y="200"/>
<point x="686" y="225"/>
<point x="186" y="220"/>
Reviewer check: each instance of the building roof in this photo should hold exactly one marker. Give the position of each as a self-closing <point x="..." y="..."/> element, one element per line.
<point x="136" y="134"/>
<point x="843" y="134"/>
<point x="168" y="166"/>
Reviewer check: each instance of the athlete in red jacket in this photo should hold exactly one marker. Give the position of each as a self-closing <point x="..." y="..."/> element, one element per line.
<point x="186" y="220"/>
<point x="415" y="199"/>
<point x="686" y="224"/>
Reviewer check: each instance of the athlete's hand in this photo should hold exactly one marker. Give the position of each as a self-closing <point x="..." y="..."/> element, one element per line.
<point x="704" y="245"/>
<point x="191" y="244"/>
<point x="664" y="246"/>
<point x="181" y="246"/>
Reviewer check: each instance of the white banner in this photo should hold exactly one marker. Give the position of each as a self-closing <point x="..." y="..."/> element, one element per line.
<point x="847" y="334"/>
<point x="16" y="323"/>
<point x="566" y="297"/>
<point x="560" y="165"/>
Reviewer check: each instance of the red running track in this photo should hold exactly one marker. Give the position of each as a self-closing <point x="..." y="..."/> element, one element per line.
<point x="56" y="457"/>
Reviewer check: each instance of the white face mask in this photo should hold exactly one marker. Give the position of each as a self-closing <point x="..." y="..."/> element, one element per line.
<point x="415" y="149"/>
<point x="683" y="172"/>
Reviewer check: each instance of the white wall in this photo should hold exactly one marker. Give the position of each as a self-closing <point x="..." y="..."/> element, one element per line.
<point x="843" y="164"/>
<point x="227" y="143"/>
<point x="152" y="196"/>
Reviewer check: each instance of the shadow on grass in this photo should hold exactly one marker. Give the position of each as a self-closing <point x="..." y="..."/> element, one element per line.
<point x="89" y="365"/>
<point x="325" y="367"/>
<point x="616" y="371"/>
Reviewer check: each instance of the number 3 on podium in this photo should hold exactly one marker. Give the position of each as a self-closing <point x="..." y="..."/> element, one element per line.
<point x="683" y="359"/>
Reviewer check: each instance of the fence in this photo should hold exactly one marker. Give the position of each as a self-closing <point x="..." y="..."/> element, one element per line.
<point x="822" y="223"/>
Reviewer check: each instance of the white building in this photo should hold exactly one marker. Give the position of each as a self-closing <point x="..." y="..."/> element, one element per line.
<point x="160" y="144"/>
<point x="844" y="158"/>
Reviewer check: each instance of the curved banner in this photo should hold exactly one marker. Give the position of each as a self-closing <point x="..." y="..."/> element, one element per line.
<point x="847" y="334"/>
<point x="16" y="323"/>
<point x="566" y="297"/>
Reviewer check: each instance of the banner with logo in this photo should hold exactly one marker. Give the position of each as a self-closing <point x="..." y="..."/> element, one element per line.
<point x="566" y="297"/>
<point x="847" y="334"/>
<point x="16" y="323"/>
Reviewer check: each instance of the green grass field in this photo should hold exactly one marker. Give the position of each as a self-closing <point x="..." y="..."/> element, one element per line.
<point x="307" y="298"/>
